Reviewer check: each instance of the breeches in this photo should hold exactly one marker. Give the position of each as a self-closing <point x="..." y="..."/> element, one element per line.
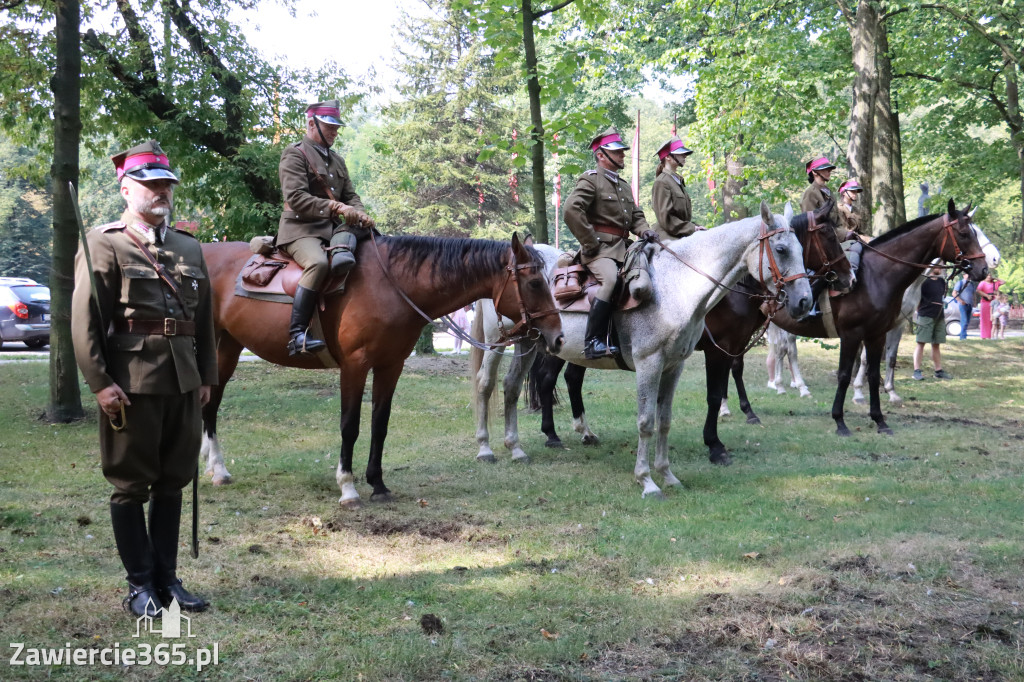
<point x="606" y="272"/>
<point x="309" y="253"/>
<point x="157" y="452"/>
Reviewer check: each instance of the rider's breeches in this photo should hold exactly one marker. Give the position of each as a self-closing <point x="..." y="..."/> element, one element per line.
<point x="606" y="272"/>
<point x="309" y="253"/>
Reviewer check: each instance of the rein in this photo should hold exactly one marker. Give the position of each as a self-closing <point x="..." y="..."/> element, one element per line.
<point x="814" y="242"/>
<point x="512" y="274"/>
<point x="959" y="259"/>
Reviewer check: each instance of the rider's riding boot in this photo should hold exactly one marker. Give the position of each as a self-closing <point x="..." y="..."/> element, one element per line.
<point x="129" y="522"/>
<point x="818" y="285"/>
<point x="853" y="255"/>
<point x="164" y="521"/>
<point x="302" y="312"/>
<point x="597" y="344"/>
<point x="342" y="250"/>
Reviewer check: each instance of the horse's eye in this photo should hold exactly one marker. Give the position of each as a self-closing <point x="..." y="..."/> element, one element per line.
<point x="780" y="249"/>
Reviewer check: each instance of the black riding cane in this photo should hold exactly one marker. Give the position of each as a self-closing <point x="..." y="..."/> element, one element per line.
<point x="195" y="513"/>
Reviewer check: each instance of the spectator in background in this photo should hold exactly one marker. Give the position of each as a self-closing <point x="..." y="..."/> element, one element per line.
<point x="987" y="291"/>
<point x="461" y="318"/>
<point x="963" y="293"/>
<point x="1001" y="312"/>
<point x="931" y="324"/>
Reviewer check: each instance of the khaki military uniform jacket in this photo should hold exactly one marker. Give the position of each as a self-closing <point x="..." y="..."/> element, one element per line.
<point x="601" y="197"/>
<point x="849" y="221"/>
<point x="672" y="207"/>
<point x="307" y="210"/>
<point x="814" y="198"/>
<point x="129" y="288"/>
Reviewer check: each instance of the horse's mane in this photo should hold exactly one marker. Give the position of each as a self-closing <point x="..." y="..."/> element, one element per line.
<point x="903" y="229"/>
<point x="452" y="260"/>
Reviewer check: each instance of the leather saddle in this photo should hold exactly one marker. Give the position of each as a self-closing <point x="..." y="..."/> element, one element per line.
<point x="575" y="288"/>
<point x="275" y="276"/>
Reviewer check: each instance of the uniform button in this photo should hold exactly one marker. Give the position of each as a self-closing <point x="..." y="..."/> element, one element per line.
<point x="330" y="175"/>
<point x="168" y="296"/>
<point x="321" y="212"/>
<point x="170" y="310"/>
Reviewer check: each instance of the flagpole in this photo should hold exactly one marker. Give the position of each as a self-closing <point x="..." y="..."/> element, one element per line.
<point x="636" y="160"/>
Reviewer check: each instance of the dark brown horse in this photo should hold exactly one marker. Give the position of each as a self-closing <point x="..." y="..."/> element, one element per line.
<point x="372" y="326"/>
<point x="729" y="327"/>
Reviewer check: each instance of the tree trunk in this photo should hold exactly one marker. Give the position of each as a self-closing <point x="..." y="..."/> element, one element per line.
<point x="886" y="134"/>
<point x="1016" y="122"/>
<point x="898" y="188"/>
<point x="540" y="204"/>
<point x="732" y="188"/>
<point x="863" y="37"/>
<point x="65" y="399"/>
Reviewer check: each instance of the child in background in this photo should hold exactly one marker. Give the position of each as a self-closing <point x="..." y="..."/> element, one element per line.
<point x="1001" y="311"/>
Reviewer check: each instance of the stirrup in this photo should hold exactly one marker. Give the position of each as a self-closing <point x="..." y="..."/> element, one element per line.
<point x="302" y="344"/>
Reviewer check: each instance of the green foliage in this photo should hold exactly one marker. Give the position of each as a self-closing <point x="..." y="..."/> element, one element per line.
<point x="24" y="219"/>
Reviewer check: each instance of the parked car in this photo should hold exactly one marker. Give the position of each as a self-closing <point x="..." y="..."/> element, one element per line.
<point x="952" y="315"/>
<point x="24" y="312"/>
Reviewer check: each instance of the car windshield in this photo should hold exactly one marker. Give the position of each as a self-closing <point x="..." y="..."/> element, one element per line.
<point x="32" y="293"/>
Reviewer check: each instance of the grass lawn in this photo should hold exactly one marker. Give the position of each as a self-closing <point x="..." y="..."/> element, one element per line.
<point x="811" y="558"/>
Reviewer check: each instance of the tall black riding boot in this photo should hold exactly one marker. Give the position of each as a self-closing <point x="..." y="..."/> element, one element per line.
<point x="302" y="312"/>
<point x="164" y="521"/>
<point x="817" y="287"/>
<point x="597" y="344"/>
<point x="129" y="522"/>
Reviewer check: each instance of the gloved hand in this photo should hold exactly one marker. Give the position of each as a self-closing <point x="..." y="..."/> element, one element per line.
<point x="364" y="220"/>
<point x="649" y="235"/>
<point x="590" y="250"/>
<point x="699" y="228"/>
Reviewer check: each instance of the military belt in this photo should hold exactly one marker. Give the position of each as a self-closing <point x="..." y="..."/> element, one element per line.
<point x="610" y="229"/>
<point x="165" y="327"/>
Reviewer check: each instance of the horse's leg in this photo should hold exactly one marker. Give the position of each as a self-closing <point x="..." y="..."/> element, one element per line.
<point x="353" y="381"/>
<point x="384" y="381"/>
<point x="874" y="348"/>
<point x="892" y="347"/>
<point x="545" y="375"/>
<point x="486" y="378"/>
<point x="848" y="349"/>
<point x="860" y="372"/>
<point x="769" y="363"/>
<point x="517" y="370"/>
<point x="574" y="383"/>
<point x="228" y="350"/>
<point x="716" y="373"/>
<point x="794" y="367"/>
<point x="779" y="353"/>
<point x="741" y="390"/>
<point x="666" y="392"/>
<point x="648" y="381"/>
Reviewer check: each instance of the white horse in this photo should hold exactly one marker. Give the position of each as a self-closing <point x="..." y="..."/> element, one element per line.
<point x="657" y="338"/>
<point x="911" y="298"/>
<point x="782" y="346"/>
<point x="485" y="365"/>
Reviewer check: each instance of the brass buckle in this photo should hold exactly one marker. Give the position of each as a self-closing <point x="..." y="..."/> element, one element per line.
<point x="170" y="326"/>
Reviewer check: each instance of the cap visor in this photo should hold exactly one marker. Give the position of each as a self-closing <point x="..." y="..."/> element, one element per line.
<point x="683" y="151"/>
<point x="149" y="174"/>
<point x="330" y="120"/>
<point x="615" y="146"/>
<point x="825" y="167"/>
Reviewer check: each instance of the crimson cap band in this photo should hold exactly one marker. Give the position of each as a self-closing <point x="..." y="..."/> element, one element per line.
<point x="673" y="146"/>
<point x="144" y="162"/>
<point x="326" y="112"/>
<point x="819" y="164"/>
<point x="851" y="185"/>
<point x="609" y="139"/>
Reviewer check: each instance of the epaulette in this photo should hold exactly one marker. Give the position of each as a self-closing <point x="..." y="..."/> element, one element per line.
<point x="591" y="172"/>
<point x="109" y="226"/>
<point x="185" y="232"/>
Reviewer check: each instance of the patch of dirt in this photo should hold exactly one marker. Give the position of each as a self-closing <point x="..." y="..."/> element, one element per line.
<point x="438" y="365"/>
<point x="448" y="531"/>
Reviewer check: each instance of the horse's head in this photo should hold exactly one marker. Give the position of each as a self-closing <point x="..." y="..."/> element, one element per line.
<point x="960" y="243"/>
<point x="529" y="298"/>
<point x="992" y="255"/>
<point x="823" y="253"/>
<point x="779" y="262"/>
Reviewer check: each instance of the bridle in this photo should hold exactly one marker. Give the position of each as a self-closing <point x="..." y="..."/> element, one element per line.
<point x="508" y="338"/>
<point x="815" y="246"/>
<point x="778" y="280"/>
<point x="960" y="259"/>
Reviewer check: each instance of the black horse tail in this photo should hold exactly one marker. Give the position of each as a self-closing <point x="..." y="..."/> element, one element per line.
<point x="542" y="367"/>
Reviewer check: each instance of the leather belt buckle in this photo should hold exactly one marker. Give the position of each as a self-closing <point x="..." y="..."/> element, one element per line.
<point x="170" y="326"/>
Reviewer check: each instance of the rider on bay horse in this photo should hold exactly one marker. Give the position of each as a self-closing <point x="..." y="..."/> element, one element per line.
<point x="601" y="213"/>
<point x="321" y="208"/>
<point x="669" y="197"/>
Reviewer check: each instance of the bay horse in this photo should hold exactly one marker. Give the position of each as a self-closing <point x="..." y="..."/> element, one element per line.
<point x="690" y="276"/>
<point x="889" y="265"/>
<point x="728" y="329"/>
<point x="373" y="325"/>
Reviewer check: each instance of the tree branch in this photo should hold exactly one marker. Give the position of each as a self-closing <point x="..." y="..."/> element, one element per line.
<point x="988" y="92"/>
<point x="1006" y="48"/>
<point x="847" y="12"/>
<point x="11" y="4"/>
<point x="554" y="8"/>
<point x="141" y="40"/>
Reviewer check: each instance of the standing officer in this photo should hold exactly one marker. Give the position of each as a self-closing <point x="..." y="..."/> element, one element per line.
<point x="601" y="213"/>
<point x="671" y="202"/>
<point x="142" y="327"/>
<point x="321" y="208"/>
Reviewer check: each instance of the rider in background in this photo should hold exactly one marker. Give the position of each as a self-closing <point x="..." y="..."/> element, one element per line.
<point x="321" y="207"/>
<point x="849" y="229"/>
<point x="601" y="213"/>
<point x="671" y="202"/>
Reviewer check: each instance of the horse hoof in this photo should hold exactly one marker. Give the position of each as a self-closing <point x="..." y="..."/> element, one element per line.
<point x="590" y="440"/>
<point x="525" y="459"/>
<point x="885" y="430"/>
<point x="843" y="431"/>
<point x="351" y="505"/>
<point x="859" y="401"/>
<point x="657" y="495"/>
<point x="754" y="419"/>
<point x="896" y="402"/>
<point x="720" y="458"/>
<point x="486" y="458"/>
<point x="223" y="480"/>
<point x="555" y="442"/>
<point x="382" y="498"/>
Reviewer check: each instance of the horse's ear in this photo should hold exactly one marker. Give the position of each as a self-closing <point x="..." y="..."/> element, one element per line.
<point x="971" y="208"/>
<point x="766" y="214"/>
<point x="515" y="241"/>
<point x="951" y="208"/>
<point x="787" y="212"/>
<point x="528" y="239"/>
